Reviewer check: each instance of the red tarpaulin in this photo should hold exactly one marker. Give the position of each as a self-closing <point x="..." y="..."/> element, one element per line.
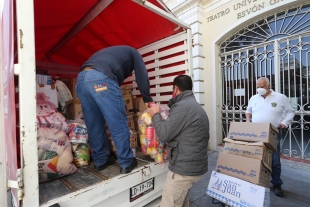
<point x="122" y="22"/>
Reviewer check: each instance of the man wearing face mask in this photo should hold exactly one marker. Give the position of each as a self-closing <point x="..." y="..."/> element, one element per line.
<point x="267" y="107"/>
<point x="186" y="131"/>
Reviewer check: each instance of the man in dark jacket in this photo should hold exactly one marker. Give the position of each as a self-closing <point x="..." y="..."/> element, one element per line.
<point x="186" y="130"/>
<point x="102" y="102"/>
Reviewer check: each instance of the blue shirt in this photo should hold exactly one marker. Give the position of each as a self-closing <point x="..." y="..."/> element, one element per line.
<point x="118" y="62"/>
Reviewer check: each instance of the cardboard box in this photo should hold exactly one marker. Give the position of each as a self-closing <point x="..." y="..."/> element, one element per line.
<point x="73" y="108"/>
<point x="244" y="168"/>
<point x="255" y="132"/>
<point x="123" y="89"/>
<point x="129" y="88"/>
<point x="128" y="103"/>
<point x="235" y="192"/>
<point x="131" y="123"/>
<point x="50" y="92"/>
<point x="126" y="89"/>
<point x="255" y="150"/>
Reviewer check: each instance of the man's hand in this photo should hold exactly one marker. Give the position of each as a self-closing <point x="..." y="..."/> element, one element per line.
<point x="154" y="110"/>
<point x="282" y="126"/>
<point x="149" y="104"/>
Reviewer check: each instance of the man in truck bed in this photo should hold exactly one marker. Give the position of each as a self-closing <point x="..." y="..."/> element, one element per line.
<point x="98" y="88"/>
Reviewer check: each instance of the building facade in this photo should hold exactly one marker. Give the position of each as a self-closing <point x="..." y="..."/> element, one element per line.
<point x="237" y="41"/>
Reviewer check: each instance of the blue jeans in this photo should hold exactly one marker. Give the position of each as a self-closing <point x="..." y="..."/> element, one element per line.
<point x="102" y="102"/>
<point x="276" y="164"/>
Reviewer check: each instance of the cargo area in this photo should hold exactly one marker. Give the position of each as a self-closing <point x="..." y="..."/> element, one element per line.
<point x="51" y="192"/>
<point x="49" y="43"/>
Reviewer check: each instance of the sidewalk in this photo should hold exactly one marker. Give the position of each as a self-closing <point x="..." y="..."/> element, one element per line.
<point x="296" y="187"/>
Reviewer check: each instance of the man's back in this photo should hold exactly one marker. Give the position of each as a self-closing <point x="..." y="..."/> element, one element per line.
<point x="117" y="63"/>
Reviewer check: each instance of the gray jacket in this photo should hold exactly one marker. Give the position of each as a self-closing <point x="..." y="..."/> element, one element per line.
<point x="186" y="130"/>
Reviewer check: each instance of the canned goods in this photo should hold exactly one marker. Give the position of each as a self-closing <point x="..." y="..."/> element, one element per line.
<point x="150" y="132"/>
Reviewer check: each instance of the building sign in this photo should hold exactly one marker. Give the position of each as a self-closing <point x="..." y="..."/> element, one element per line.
<point x="243" y="8"/>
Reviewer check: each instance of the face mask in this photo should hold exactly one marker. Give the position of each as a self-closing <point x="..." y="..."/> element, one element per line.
<point x="261" y="91"/>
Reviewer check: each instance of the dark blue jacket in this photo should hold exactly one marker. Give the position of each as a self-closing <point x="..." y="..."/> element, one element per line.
<point x="118" y="62"/>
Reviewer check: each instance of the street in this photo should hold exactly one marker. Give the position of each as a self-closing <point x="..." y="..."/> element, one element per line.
<point x="296" y="187"/>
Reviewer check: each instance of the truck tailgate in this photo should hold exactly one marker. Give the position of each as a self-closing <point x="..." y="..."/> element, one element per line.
<point x="62" y="189"/>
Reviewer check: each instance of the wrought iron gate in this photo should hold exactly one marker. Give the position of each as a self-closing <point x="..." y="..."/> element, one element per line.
<point x="262" y="50"/>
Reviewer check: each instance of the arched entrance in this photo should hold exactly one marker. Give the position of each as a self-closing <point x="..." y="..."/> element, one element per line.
<point x="277" y="47"/>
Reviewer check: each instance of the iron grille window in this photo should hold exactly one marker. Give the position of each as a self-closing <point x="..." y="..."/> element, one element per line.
<point x="286" y="23"/>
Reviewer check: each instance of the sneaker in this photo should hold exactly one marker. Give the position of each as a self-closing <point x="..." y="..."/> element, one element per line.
<point x="278" y="190"/>
<point x="111" y="160"/>
<point x="126" y="170"/>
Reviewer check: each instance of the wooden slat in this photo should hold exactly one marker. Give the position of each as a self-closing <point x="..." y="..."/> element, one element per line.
<point x="164" y="43"/>
<point x="165" y="71"/>
<point x="161" y="98"/>
<point x="178" y="68"/>
<point x="154" y="90"/>
<point x="158" y="81"/>
<point x="159" y="63"/>
<point x="167" y="61"/>
<point x="181" y="48"/>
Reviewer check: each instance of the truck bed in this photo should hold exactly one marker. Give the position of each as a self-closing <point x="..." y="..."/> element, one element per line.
<point x="86" y="177"/>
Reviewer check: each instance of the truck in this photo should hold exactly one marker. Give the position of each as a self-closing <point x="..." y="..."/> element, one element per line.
<point x="58" y="36"/>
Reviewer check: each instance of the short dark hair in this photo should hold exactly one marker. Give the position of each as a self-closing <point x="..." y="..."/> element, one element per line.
<point x="184" y="82"/>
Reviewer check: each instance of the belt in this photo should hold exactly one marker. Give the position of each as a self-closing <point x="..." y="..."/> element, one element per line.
<point x="87" y="68"/>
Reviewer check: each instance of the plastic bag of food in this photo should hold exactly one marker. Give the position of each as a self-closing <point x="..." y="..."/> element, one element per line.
<point x="150" y="143"/>
<point x="81" y="154"/>
<point x="54" y="154"/>
<point x="77" y="132"/>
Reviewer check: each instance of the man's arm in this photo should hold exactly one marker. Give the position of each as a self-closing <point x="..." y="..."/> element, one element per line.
<point x="248" y="112"/>
<point x="248" y="117"/>
<point x="142" y="77"/>
<point x="289" y="111"/>
<point x="170" y="128"/>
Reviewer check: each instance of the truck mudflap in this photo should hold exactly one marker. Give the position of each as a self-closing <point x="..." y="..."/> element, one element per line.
<point x="107" y="187"/>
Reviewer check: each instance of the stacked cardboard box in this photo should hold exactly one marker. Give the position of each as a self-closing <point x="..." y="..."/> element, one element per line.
<point x="131" y="112"/>
<point x="249" y="159"/>
<point x="73" y="108"/>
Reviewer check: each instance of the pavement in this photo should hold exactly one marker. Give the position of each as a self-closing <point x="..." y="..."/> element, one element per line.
<point x="296" y="185"/>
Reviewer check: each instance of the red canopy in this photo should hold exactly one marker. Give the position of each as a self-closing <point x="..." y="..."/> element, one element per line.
<point x="70" y="31"/>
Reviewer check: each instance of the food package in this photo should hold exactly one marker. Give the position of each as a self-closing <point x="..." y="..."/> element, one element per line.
<point x="133" y="141"/>
<point x="77" y="132"/>
<point x="150" y="143"/>
<point x="81" y="154"/>
<point x="54" y="154"/>
<point x="112" y="146"/>
<point x="47" y="115"/>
